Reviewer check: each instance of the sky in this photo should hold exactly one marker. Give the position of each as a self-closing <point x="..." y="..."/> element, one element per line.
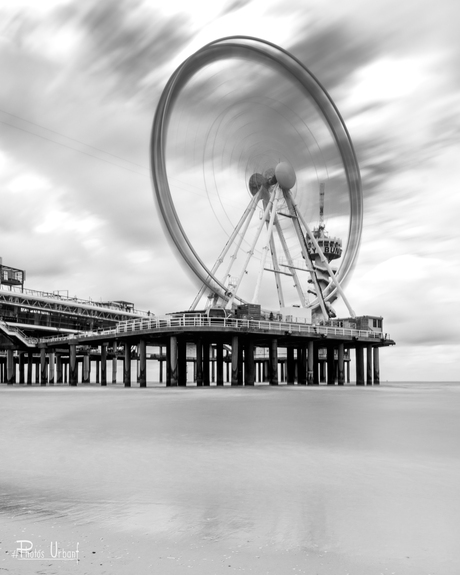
<point x="80" y="84"/>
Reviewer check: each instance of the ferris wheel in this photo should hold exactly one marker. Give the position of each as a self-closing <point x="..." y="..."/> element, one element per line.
<point x="246" y="145"/>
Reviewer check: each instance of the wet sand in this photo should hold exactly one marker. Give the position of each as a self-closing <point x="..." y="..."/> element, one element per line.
<point x="210" y="481"/>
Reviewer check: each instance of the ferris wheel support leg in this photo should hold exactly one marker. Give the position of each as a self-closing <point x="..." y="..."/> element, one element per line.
<point x="369" y="365"/>
<point x="340" y="356"/>
<point x="251" y="250"/>
<point x="245" y="218"/>
<point x="266" y="246"/>
<point x="273" y="362"/>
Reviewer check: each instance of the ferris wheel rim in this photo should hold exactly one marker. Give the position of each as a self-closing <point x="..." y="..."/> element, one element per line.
<point x="259" y="49"/>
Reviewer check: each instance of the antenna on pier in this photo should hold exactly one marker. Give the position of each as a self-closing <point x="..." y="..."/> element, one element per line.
<point x="321" y="205"/>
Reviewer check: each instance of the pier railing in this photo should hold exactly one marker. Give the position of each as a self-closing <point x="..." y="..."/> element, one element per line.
<point x="127" y="327"/>
<point x="59" y="297"/>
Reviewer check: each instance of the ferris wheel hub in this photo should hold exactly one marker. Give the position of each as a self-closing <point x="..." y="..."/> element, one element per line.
<point x="285" y="175"/>
<point x="256" y="181"/>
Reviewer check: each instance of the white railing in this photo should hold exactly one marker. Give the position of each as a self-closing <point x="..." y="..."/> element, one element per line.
<point x="112" y="306"/>
<point x="191" y="321"/>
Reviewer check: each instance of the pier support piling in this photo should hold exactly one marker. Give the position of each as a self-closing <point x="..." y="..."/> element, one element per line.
<point x="273" y="362"/>
<point x="59" y="378"/>
<point x="114" y="361"/>
<point x="310" y="364"/>
<point x="376" y="366"/>
<point x="220" y="363"/>
<point x="359" y="364"/>
<point x="249" y="363"/>
<point x="104" y="364"/>
<point x="290" y="370"/>
<point x="206" y="367"/>
<point x="10" y="367"/>
<point x="86" y="368"/>
<point x="51" y="368"/>
<point x="199" y="362"/>
<point x="301" y="365"/>
<point x="73" y="366"/>
<point x="369" y="371"/>
<point x="181" y="362"/>
<point x="340" y="364"/>
<point x="127" y="365"/>
<point x="43" y="370"/>
<point x="330" y="365"/>
<point x="235" y="361"/>
<point x="142" y="363"/>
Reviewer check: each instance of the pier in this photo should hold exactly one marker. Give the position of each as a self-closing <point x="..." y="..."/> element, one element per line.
<point x="196" y="349"/>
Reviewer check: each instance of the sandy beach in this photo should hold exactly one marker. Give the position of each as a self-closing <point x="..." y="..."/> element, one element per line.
<point x="288" y="480"/>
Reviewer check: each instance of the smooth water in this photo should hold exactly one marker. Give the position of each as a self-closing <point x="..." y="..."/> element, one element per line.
<point x="370" y="474"/>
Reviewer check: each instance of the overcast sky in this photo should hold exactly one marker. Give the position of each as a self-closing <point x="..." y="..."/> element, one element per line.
<point x="80" y="81"/>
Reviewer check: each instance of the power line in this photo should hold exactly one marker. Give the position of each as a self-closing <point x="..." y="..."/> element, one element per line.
<point x="71" y="147"/>
<point x="186" y="186"/>
<point x="67" y="138"/>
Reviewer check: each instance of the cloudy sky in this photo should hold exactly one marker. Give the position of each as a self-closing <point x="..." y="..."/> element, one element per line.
<point x="80" y="81"/>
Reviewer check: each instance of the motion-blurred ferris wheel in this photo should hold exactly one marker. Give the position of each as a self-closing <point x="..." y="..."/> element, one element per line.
<point x="248" y="153"/>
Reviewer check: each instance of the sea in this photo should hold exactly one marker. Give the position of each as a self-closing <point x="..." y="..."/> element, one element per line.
<point x="286" y="479"/>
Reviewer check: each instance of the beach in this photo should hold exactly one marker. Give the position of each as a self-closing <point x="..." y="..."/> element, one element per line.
<point x="357" y="480"/>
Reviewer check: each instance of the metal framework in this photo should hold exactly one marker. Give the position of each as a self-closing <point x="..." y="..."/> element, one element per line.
<point x="86" y="309"/>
